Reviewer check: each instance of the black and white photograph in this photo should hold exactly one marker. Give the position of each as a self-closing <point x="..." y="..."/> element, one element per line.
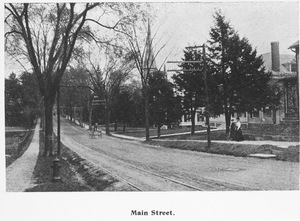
<point x="150" y="110"/>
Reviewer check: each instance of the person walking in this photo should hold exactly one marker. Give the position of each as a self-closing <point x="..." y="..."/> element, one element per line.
<point x="232" y="130"/>
<point x="238" y="133"/>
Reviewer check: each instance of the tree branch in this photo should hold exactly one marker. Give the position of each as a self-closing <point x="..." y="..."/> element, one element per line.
<point x="104" y="26"/>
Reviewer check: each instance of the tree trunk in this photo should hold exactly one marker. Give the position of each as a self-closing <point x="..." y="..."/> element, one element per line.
<point x="107" y="117"/>
<point x="147" y="118"/>
<point x="71" y="114"/>
<point x="43" y="119"/>
<point x="158" y="130"/>
<point x="227" y="113"/>
<point x="116" y="125"/>
<point x="193" y="121"/>
<point x="124" y="125"/>
<point x="90" y="117"/>
<point x="48" y="105"/>
<point x="274" y="115"/>
<point x="227" y="120"/>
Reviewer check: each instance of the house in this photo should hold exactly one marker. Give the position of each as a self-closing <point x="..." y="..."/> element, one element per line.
<point x="284" y="74"/>
<point x="284" y="69"/>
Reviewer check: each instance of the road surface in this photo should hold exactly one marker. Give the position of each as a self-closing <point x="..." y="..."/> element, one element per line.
<point x="154" y="168"/>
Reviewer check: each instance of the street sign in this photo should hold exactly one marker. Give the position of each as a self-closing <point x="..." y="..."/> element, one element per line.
<point x="97" y="102"/>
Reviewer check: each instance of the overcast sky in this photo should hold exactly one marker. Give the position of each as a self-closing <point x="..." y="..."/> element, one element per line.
<point x="183" y="24"/>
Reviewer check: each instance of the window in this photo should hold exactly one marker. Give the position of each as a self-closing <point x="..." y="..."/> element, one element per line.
<point x="186" y="118"/>
<point x="242" y="114"/>
<point x="267" y="112"/>
<point x="254" y="114"/>
<point x="200" y="117"/>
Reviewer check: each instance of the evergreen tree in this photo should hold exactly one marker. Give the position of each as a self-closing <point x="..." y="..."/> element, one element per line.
<point x="242" y="79"/>
<point x="13" y="104"/>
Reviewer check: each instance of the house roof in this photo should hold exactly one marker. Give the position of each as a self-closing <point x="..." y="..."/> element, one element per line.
<point x="284" y="59"/>
<point x="295" y="45"/>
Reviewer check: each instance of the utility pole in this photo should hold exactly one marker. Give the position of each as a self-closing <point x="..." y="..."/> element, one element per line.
<point x="207" y="108"/>
<point x="58" y="121"/>
<point x="207" y="111"/>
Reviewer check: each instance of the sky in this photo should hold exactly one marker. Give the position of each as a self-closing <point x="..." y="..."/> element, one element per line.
<point x="188" y="23"/>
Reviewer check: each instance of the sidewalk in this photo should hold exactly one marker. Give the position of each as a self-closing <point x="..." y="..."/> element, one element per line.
<point x="19" y="173"/>
<point x="281" y="144"/>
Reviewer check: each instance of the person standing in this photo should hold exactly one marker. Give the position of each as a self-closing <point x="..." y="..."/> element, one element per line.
<point x="232" y="130"/>
<point x="238" y="133"/>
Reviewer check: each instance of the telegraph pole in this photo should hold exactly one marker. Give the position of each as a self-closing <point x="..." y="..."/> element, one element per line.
<point x="207" y="111"/>
<point x="207" y="108"/>
<point x="58" y="121"/>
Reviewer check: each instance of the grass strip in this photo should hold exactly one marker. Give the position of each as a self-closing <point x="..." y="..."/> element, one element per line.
<point x="289" y="154"/>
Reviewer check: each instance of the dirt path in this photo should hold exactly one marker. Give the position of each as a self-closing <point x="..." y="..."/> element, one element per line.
<point x="204" y="171"/>
<point x="19" y="173"/>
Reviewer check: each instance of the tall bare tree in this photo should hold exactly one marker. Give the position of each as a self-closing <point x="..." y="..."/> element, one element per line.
<point x="108" y="70"/>
<point x="141" y="45"/>
<point x="47" y="36"/>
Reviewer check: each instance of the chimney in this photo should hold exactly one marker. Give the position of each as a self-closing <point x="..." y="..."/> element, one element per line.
<point x="275" y="56"/>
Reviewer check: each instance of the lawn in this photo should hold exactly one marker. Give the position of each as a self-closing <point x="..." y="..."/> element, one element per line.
<point x="215" y="135"/>
<point x="289" y="154"/>
<point x="141" y="132"/>
<point x="16" y="143"/>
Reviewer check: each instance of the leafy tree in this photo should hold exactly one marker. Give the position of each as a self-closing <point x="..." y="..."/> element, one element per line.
<point x="107" y="76"/>
<point x="190" y="84"/>
<point x="239" y="73"/>
<point x="128" y="107"/>
<point x="137" y="115"/>
<point x="22" y="100"/>
<point x="75" y="93"/>
<point x="31" y="98"/>
<point x="162" y="101"/>
<point x="123" y="107"/>
<point x="13" y="102"/>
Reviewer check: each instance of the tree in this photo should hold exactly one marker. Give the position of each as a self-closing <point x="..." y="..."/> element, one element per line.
<point x="123" y="106"/>
<point x="144" y="56"/>
<point x="31" y="98"/>
<point x="162" y="101"/>
<point x="75" y="93"/>
<point x="107" y="76"/>
<point x="22" y="100"/>
<point x="137" y="115"/>
<point x="13" y="102"/>
<point x="48" y="35"/>
<point x="239" y="73"/>
<point x="190" y="84"/>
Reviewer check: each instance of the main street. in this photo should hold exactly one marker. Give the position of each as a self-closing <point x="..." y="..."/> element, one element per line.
<point x="154" y="168"/>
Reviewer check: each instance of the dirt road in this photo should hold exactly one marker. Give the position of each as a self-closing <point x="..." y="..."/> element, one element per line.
<point x="153" y="168"/>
